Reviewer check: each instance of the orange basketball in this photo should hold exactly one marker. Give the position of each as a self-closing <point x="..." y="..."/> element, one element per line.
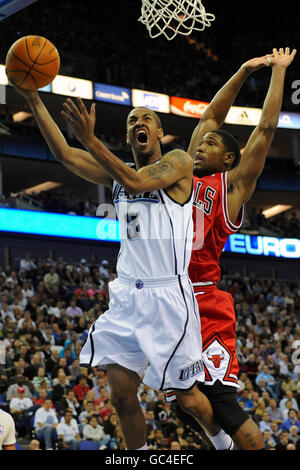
<point x="32" y="62"/>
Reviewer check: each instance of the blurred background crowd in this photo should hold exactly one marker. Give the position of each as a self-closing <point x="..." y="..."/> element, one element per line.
<point x="46" y="309"/>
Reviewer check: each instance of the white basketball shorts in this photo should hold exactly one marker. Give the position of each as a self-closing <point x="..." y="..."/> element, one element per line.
<point x="152" y="327"/>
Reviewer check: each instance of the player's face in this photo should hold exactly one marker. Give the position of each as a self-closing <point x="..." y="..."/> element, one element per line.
<point x="143" y="131"/>
<point x="209" y="155"/>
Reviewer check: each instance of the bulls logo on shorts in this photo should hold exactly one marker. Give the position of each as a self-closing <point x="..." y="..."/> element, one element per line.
<point x="217" y="361"/>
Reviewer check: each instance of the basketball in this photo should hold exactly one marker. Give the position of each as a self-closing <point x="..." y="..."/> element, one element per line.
<point x="32" y="62"/>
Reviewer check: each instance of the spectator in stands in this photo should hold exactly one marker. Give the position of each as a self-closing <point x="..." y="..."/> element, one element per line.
<point x="68" y="432"/>
<point x="89" y="409"/>
<point x="69" y="402"/>
<point x="283" y="440"/>
<point x="275" y="413"/>
<point x="81" y="388"/>
<point x="74" y="311"/>
<point x="27" y="265"/>
<point x="294" y="435"/>
<point x="269" y="441"/>
<point x="12" y="390"/>
<point x="31" y="370"/>
<point x="265" y="422"/>
<point x="288" y="396"/>
<point x="52" y="361"/>
<point x="93" y="431"/>
<point x="40" y="378"/>
<point x="271" y="384"/>
<point x="34" y="445"/>
<point x="60" y="387"/>
<point x="17" y="407"/>
<point x="291" y="421"/>
<point x="247" y="402"/>
<point x="45" y="424"/>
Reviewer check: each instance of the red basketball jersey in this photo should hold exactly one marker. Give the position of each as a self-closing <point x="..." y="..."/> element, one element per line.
<point x="211" y="230"/>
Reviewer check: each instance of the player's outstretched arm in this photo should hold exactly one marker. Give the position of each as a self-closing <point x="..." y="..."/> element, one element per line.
<point x="215" y="114"/>
<point x="76" y="160"/>
<point x="242" y="179"/>
<point x="174" y="166"/>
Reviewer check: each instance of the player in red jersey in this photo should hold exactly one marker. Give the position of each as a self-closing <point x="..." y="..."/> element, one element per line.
<point x="223" y="182"/>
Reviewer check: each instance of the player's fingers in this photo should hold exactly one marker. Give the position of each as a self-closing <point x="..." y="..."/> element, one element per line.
<point x="72" y="107"/>
<point x="287" y="51"/>
<point x="67" y="117"/>
<point x="281" y="50"/>
<point x="82" y="106"/>
<point x="294" y="52"/>
<point x="275" y="52"/>
<point x="93" y="112"/>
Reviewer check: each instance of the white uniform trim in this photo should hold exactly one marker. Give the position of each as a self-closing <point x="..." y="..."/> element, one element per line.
<point x="232" y="227"/>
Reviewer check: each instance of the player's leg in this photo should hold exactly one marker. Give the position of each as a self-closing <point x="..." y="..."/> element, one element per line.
<point x="231" y="417"/>
<point x="124" y="385"/>
<point x="196" y="404"/>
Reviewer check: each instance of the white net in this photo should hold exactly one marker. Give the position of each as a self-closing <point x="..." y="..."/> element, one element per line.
<point x="172" y="17"/>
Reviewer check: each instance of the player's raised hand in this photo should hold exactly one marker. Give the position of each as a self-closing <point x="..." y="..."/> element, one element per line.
<point x="81" y="121"/>
<point x="257" y="63"/>
<point x="282" y="57"/>
<point x="27" y="94"/>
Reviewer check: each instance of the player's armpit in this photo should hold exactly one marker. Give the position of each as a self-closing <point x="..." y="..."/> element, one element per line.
<point x="84" y="165"/>
<point x="242" y="179"/>
<point x="173" y="167"/>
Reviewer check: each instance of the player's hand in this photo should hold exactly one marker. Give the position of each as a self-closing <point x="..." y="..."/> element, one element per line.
<point x="255" y="64"/>
<point x="81" y="121"/>
<point x="282" y="57"/>
<point x="27" y="94"/>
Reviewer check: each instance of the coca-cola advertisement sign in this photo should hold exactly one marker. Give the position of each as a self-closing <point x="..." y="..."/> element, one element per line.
<point x="187" y="107"/>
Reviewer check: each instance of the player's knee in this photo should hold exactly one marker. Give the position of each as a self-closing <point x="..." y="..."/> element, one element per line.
<point x="123" y="401"/>
<point x="188" y="402"/>
<point x="229" y="415"/>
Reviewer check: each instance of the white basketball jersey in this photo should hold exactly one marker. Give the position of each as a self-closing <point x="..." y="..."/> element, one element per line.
<point x="156" y="233"/>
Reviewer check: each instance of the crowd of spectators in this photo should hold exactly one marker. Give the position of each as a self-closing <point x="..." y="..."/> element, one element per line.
<point x="117" y="49"/>
<point x="46" y="309"/>
<point x="284" y="224"/>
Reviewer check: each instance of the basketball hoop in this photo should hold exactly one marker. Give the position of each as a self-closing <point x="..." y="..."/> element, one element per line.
<point x="172" y="17"/>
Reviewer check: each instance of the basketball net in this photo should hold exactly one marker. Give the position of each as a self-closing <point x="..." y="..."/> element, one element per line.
<point x="172" y="17"/>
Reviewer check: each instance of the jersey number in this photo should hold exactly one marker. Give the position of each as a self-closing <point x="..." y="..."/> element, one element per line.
<point x="133" y="226"/>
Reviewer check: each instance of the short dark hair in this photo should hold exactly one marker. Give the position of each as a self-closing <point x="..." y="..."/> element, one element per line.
<point x="231" y="145"/>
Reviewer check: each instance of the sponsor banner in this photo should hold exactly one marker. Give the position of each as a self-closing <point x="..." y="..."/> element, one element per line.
<point x="289" y="120"/>
<point x="70" y="86"/>
<point x="46" y="88"/>
<point x="187" y="107"/>
<point x="149" y="99"/>
<point x="258" y="245"/>
<point x="112" y="94"/>
<point x="59" y="225"/>
<point x="3" y="76"/>
<point x="244" y="116"/>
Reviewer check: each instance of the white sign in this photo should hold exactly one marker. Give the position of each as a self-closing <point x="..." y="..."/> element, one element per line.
<point x="70" y="86"/>
<point x="149" y="99"/>
<point x="3" y="76"/>
<point x="244" y="116"/>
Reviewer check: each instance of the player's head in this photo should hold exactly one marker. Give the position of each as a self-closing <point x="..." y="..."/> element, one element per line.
<point x="144" y="132"/>
<point x="217" y="151"/>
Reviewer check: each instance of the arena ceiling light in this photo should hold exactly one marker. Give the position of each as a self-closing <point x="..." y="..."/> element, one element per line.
<point x="275" y="210"/>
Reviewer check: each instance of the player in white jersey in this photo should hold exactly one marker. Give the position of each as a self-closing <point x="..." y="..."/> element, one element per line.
<point x="152" y="316"/>
<point x="7" y="431"/>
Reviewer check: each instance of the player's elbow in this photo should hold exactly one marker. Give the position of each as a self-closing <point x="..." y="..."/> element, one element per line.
<point x="268" y="126"/>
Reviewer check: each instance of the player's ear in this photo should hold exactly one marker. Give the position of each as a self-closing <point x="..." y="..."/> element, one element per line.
<point x="160" y="133"/>
<point x="229" y="158"/>
<point x="127" y="139"/>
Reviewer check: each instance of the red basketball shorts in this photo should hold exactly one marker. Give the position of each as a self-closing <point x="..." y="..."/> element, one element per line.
<point x="218" y="325"/>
